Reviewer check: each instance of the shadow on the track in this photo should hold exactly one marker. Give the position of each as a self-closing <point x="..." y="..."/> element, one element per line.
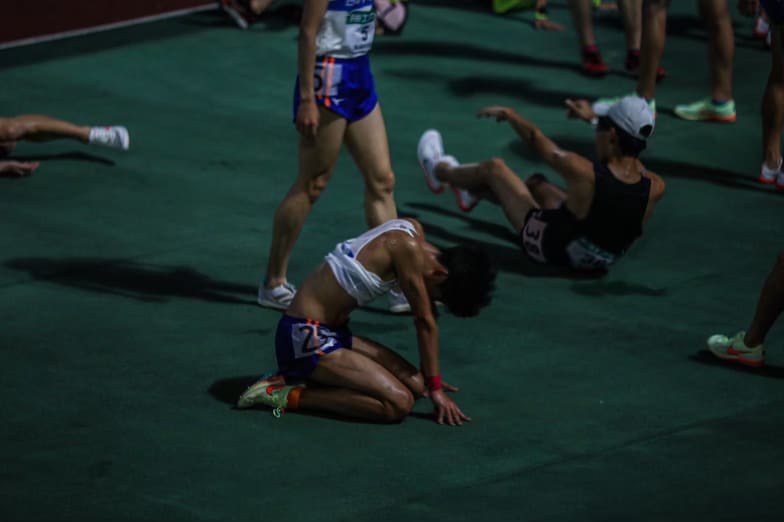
<point x="602" y="288"/>
<point x="144" y="282"/>
<point x="228" y="390"/>
<point x="523" y="89"/>
<point x="70" y="156"/>
<point x="708" y="359"/>
<point x="507" y="258"/>
<point x="512" y="259"/>
<point x="467" y="51"/>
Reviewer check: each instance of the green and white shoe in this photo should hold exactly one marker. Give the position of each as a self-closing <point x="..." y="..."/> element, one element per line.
<point x="706" y="110"/>
<point x="271" y="391"/>
<point x="735" y="349"/>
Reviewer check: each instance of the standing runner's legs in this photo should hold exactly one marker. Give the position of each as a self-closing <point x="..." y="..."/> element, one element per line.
<point x="366" y="140"/>
<point x="317" y="160"/>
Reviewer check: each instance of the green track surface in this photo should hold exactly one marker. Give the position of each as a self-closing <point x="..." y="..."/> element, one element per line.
<point x="127" y="290"/>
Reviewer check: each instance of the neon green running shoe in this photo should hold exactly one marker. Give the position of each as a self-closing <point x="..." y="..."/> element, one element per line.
<point x="270" y="391"/>
<point x="602" y="106"/>
<point x="706" y="110"/>
<point x="734" y="349"/>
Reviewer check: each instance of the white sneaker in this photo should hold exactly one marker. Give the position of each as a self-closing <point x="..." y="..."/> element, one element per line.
<point x="278" y="297"/>
<point x="430" y="151"/>
<point x="769" y="176"/>
<point x="115" y="137"/>
<point x="398" y="304"/>
<point x="761" y="27"/>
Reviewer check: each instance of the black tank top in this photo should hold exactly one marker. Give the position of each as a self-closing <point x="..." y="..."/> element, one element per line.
<point x="617" y="211"/>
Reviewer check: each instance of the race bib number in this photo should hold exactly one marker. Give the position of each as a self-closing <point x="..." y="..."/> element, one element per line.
<point x="309" y="338"/>
<point x="360" y="29"/>
<point x="533" y="233"/>
<point x="584" y="255"/>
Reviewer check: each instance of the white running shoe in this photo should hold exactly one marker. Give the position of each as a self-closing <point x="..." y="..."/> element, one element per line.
<point x="398" y="304"/>
<point x="278" y="298"/>
<point x="115" y="137"/>
<point x="430" y="151"/>
<point x="769" y="176"/>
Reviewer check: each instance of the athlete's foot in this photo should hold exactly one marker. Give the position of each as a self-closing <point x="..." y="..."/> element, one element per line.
<point x="632" y="65"/>
<point x="769" y="176"/>
<point x="272" y="392"/>
<point x="707" y="110"/>
<point x="466" y="201"/>
<point x="115" y="137"/>
<point x="761" y="28"/>
<point x="734" y="349"/>
<point x="429" y="152"/>
<point x="593" y="65"/>
<point x="278" y="297"/>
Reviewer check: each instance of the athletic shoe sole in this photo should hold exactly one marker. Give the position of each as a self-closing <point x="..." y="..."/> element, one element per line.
<point x="437" y="136"/>
<point x="734" y="357"/>
<point x="461" y="204"/>
<point x="266" y="303"/>
<point x="706" y="117"/>
<point x="125" y="139"/>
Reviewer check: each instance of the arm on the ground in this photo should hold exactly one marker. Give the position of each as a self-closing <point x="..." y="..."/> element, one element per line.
<point x="408" y="258"/>
<point x="17" y="169"/>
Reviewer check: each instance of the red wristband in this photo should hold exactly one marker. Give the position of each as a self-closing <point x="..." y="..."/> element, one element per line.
<point x="433" y="383"/>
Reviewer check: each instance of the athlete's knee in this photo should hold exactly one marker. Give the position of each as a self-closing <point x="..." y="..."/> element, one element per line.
<point x="315" y="185"/>
<point x="398" y="404"/>
<point x="493" y="167"/>
<point x="15" y="129"/>
<point x="381" y="184"/>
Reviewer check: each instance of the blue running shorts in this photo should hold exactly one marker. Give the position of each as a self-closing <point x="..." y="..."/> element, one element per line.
<point x="775" y="10"/>
<point x="300" y="343"/>
<point x="342" y="85"/>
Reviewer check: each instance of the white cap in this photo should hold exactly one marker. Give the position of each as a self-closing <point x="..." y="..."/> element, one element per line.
<point x="633" y="115"/>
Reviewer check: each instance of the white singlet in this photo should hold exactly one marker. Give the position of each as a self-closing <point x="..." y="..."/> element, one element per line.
<point x="355" y="279"/>
<point x="347" y="29"/>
